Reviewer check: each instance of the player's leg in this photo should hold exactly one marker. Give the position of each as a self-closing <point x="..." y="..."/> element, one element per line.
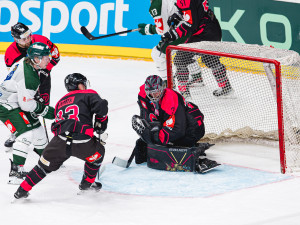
<point x="219" y="72"/>
<point x="92" y="152"/>
<point x="21" y="125"/>
<point x="159" y="59"/>
<point x="52" y="158"/>
<point x="40" y="140"/>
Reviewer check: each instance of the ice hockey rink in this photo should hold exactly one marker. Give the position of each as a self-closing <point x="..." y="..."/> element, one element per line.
<point x="248" y="189"/>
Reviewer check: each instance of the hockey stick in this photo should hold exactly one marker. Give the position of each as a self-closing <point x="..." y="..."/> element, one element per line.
<point x="124" y="163"/>
<point x="45" y="127"/>
<point x="89" y="36"/>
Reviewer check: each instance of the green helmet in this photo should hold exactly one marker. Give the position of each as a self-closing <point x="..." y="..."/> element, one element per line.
<point x="38" y="49"/>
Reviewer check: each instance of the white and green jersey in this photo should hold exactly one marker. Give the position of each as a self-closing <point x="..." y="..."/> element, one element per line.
<point x="161" y="10"/>
<point x="19" y="87"/>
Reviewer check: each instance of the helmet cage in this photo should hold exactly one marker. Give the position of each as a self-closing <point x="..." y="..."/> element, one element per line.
<point x="155" y="95"/>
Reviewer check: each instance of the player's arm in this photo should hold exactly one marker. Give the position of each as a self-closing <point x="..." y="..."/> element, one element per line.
<point x="99" y="107"/>
<point x="172" y="129"/>
<point x="27" y="89"/>
<point x="188" y="18"/>
<point x="55" y="56"/>
<point x="12" y="55"/>
<point x="155" y="12"/>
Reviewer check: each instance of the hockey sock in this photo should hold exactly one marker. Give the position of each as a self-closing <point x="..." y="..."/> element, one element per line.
<point x="221" y="77"/>
<point x="90" y="171"/>
<point x="38" y="151"/>
<point x="18" y="160"/>
<point x="33" y="177"/>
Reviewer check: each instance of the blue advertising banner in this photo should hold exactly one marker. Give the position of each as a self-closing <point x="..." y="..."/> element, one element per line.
<point x="61" y="20"/>
<point x="264" y="22"/>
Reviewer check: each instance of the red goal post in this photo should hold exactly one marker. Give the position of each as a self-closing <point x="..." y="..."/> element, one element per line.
<point x="259" y="92"/>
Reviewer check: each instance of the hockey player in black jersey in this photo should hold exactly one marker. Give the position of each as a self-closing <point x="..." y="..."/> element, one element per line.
<point x="74" y="135"/>
<point x="197" y="22"/>
<point x="166" y="119"/>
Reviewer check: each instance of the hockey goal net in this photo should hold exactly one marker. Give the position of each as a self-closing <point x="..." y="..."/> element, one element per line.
<point x="248" y="93"/>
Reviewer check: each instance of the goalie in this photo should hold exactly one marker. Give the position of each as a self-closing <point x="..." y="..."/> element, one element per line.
<point x="166" y="119"/>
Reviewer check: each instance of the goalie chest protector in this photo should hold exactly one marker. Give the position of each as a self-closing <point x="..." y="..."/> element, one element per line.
<point x="172" y="158"/>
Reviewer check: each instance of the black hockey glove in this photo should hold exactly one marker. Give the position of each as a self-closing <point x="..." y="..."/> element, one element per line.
<point x="175" y="19"/>
<point x="44" y="72"/>
<point x="142" y="128"/>
<point x="100" y="124"/>
<point x="39" y="99"/>
<point x="169" y="36"/>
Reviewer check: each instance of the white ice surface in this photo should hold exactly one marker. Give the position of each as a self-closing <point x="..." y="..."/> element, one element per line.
<point x="55" y="199"/>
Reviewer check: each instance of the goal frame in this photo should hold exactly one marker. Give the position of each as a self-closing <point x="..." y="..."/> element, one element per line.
<point x="277" y="66"/>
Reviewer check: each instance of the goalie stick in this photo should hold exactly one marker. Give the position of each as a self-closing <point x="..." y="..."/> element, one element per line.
<point x="122" y="162"/>
<point x="89" y="36"/>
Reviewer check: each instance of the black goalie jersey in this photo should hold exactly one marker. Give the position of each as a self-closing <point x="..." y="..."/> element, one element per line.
<point x="74" y="113"/>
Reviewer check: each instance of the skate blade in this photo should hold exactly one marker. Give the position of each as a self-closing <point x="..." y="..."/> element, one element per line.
<point x="8" y="149"/>
<point x="205" y="171"/>
<point x="15" y="181"/>
<point x="195" y="85"/>
<point x="96" y="187"/>
<point x="230" y="95"/>
<point x="19" y="200"/>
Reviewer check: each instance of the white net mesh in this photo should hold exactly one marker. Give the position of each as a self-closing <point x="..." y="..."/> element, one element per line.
<point x="238" y="96"/>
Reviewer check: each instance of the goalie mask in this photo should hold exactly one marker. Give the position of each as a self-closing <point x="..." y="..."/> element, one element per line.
<point x="154" y="88"/>
<point x="72" y="81"/>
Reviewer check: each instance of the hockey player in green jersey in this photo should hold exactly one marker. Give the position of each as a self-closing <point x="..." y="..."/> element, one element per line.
<point x="160" y="10"/>
<point x="19" y="109"/>
<point x="186" y="22"/>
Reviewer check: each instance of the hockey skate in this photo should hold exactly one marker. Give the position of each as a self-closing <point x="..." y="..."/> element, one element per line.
<point x="85" y="186"/>
<point x="21" y="193"/>
<point x="204" y="165"/>
<point x="226" y="92"/>
<point x="16" y="174"/>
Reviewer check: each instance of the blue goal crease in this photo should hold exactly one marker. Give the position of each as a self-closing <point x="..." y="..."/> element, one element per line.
<point x="141" y="180"/>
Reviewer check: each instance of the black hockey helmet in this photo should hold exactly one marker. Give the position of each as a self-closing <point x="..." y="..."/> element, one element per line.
<point x="20" y="30"/>
<point x="154" y="87"/>
<point x="72" y="81"/>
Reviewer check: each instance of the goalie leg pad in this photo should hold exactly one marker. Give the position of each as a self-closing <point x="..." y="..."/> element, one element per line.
<point x="172" y="158"/>
<point x="140" y="151"/>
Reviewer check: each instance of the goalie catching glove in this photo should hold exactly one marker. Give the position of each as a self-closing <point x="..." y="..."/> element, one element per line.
<point x="144" y="129"/>
<point x="100" y="124"/>
<point x="44" y="111"/>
